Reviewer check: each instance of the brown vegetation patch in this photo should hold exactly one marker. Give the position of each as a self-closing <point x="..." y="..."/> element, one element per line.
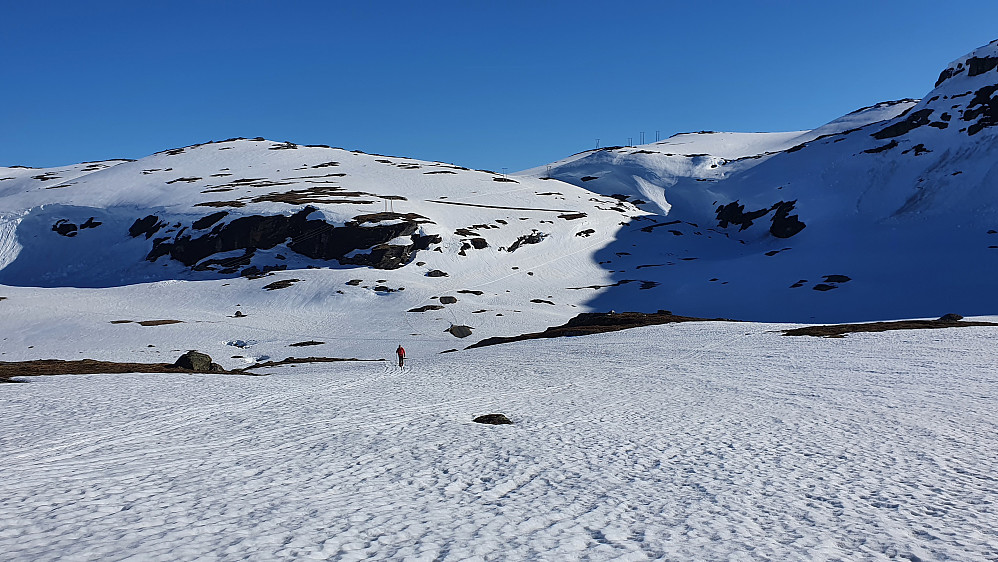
<point x="425" y="308"/>
<point x="148" y="322"/>
<point x="599" y="322"/>
<point x="378" y="217"/>
<point x="296" y="361"/>
<point x="42" y="367"/>
<point x="501" y="207"/>
<point x="236" y="203"/>
<point x="316" y="194"/>
<point x="840" y="330"/>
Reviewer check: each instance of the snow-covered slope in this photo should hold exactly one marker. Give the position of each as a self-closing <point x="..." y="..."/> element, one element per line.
<point x="362" y="249"/>
<point x="890" y="211"/>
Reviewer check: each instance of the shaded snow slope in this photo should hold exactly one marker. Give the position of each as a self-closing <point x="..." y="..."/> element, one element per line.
<point x="888" y="212"/>
<point x="739" y="444"/>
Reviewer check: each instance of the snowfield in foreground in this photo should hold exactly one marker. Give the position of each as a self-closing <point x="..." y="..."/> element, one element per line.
<point x="693" y="441"/>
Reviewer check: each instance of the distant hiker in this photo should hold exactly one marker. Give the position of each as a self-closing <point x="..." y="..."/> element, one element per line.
<point x="401" y="353"/>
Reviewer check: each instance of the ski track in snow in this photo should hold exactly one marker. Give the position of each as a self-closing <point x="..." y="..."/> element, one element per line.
<point x="696" y="441"/>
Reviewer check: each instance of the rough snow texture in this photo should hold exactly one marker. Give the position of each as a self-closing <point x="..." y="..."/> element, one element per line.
<point x="688" y="442"/>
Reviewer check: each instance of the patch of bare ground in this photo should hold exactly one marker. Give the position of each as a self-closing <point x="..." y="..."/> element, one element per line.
<point x="43" y="367"/>
<point x="840" y="330"/>
<point x="599" y="322"/>
<point x="48" y="367"/>
<point x="298" y="360"/>
<point x="282" y="284"/>
<point x="501" y="207"/>
<point x="148" y="322"/>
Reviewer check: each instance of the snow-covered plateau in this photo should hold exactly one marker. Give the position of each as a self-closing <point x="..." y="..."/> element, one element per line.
<point x="687" y="441"/>
<point x="699" y="441"/>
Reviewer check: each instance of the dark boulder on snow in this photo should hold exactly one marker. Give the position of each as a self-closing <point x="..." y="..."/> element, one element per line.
<point x="493" y="419"/>
<point x="436" y="273"/>
<point x="950" y="318"/>
<point x="459" y="331"/>
<point x="197" y="361"/>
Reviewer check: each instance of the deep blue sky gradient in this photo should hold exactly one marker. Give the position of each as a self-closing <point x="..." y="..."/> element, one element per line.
<point x="494" y="85"/>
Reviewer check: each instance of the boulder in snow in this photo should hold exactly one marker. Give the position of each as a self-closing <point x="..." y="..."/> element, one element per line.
<point x="493" y="419"/>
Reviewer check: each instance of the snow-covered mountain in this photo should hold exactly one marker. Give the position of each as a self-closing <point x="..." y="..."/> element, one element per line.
<point x="887" y="212"/>
<point x="305" y="243"/>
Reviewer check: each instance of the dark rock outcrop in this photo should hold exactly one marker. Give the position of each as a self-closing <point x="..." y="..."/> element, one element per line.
<point x="733" y="213"/>
<point x="206" y="221"/>
<point x="64" y="228"/>
<point x="985" y="108"/>
<point x="980" y="65"/>
<point x="882" y="148"/>
<point x="313" y="238"/>
<point x="912" y="121"/>
<point x="783" y="224"/>
<point x="534" y="237"/>
<point x="147" y="225"/>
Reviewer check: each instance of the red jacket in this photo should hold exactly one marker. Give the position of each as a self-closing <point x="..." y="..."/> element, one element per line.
<point x="400" y="351"/>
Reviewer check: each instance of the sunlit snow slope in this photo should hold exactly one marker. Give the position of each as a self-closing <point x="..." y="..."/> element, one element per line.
<point x="304" y="243"/>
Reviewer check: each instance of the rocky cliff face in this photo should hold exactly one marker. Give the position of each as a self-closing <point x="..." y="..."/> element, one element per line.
<point x="199" y="244"/>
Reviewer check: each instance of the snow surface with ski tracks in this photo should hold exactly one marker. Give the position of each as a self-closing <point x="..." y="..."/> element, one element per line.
<point x="692" y="441"/>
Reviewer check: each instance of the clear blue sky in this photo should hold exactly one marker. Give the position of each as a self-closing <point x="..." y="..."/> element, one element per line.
<point x="511" y="84"/>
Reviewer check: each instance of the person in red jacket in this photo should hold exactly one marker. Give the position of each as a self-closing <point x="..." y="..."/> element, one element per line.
<point x="401" y="353"/>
